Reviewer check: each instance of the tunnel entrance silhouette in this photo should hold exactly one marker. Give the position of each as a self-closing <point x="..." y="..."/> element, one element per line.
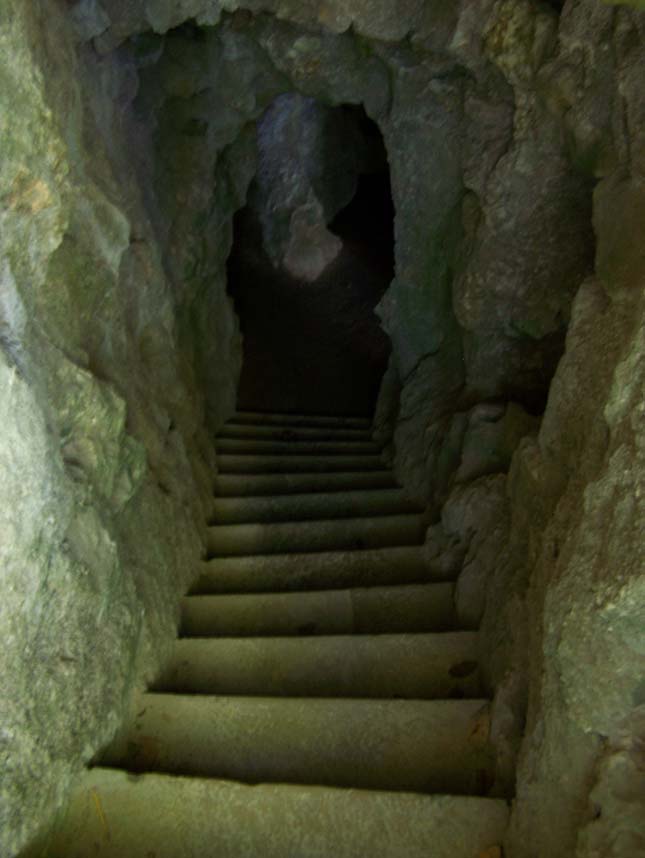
<point x="317" y="346"/>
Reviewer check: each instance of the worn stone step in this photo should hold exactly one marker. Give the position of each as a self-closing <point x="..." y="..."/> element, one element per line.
<point x="250" y="446"/>
<point x="285" y="464"/>
<point x="293" y="433"/>
<point x="370" y="610"/>
<point x="321" y="535"/>
<point x="315" y="571"/>
<point x="417" y="666"/>
<point x="313" y="420"/>
<point x="116" y="815"/>
<point x="419" y="745"/>
<point x="243" y="485"/>
<point x="319" y="505"/>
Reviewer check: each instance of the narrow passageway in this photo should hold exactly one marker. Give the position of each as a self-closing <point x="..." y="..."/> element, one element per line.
<point x="325" y="697"/>
<point x="322" y="699"/>
<point x="322" y="480"/>
<point x="316" y="346"/>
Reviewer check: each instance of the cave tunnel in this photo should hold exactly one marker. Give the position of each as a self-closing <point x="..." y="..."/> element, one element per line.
<point x="322" y="468"/>
<point x="313" y="344"/>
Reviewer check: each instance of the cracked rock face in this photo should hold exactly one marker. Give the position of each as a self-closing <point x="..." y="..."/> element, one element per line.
<point x="105" y="460"/>
<point x="516" y="144"/>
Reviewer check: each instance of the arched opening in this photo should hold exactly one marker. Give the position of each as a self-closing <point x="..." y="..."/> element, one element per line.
<point x="313" y="253"/>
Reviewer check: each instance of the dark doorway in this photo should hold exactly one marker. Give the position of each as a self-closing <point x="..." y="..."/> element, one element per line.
<point x="317" y="346"/>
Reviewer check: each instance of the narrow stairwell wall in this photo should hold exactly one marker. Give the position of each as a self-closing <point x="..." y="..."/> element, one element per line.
<point x="105" y="460"/>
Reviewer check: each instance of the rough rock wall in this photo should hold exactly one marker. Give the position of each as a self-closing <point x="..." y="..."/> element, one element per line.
<point x="480" y="302"/>
<point x="580" y="483"/>
<point x="105" y="461"/>
<point x="201" y="165"/>
<point x="564" y="605"/>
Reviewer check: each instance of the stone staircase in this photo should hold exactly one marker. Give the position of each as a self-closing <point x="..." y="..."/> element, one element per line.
<point x="320" y="702"/>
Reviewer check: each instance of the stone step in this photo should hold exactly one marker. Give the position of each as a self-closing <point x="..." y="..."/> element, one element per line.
<point x="315" y="571"/>
<point x="323" y="535"/>
<point x="370" y="610"/>
<point x="286" y="464"/>
<point x="413" y="745"/>
<point x="320" y="505"/>
<point x="413" y="666"/>
<point x="116" y="815"/>
<point x="250" y="446"/>
<point x="292" y="433"/>
<point x="244" y="485"/>
<point x="259" y="418"/>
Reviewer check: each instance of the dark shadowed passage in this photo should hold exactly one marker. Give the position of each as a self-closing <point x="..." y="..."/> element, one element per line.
<point x="317" y="346"/>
